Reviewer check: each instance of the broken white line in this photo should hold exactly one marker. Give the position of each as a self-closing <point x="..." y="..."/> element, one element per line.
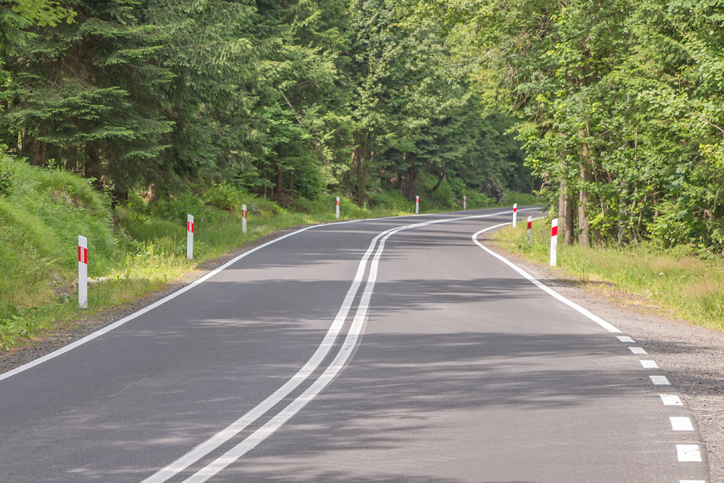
<point x="688" y="452"/>
<point x="649" y="364"/>
<point x="681" y="424"/>
<point x="660" y="380"/>
<point x="670" y="400"/>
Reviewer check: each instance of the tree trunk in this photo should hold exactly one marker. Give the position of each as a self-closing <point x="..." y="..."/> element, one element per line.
<point x="278" y="190"/>
<point x="411" y="176"/>
<point x="584" y="224"/>
<point x="439" y="182"/>
<point x="37" y="157"/>
<point x="570" y="208"/>
<point x="93" y="163"/>
<point x="291" y="180"/>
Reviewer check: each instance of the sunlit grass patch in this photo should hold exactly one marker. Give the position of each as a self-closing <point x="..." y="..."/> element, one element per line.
<point x="672" y="281"/>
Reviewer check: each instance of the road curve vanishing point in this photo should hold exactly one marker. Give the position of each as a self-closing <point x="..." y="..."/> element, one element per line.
<point x="468" y="372"/>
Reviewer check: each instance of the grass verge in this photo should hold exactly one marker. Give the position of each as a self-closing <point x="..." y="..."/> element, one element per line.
<point x="135" y="249"/>
<point x="674" y="282"/>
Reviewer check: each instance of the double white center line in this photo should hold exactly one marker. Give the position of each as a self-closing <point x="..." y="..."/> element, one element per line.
<point x="310" y="393"/>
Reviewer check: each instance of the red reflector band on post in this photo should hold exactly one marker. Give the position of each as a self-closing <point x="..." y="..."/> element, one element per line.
<point x="189" y="226"/>
<point x="243" y="213"/>
<point x="530" y="225"/>
<point x="83" y="255"/>
<point x="554" y="231"/>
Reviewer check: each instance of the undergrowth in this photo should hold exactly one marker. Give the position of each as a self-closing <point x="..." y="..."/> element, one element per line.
<point x="137" y="248"/>
<point x="674" y="281"/>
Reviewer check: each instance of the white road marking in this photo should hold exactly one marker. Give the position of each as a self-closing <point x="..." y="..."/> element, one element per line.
<point x="670" y="400"/>
<point x="637" y="350"/>
<point x="327" y="377"/>
<point x="625" y="338"/>
<point x="609" y="327"/>
<point x="692" y="481"/>
<point x="660" y="380"/>
<point x="180" y="291"/>
<point x="649" y="364"/>
<point x="681" y="424"/>
<point x="270" y="427"/>
<point x="240" y="424"/>
<point x="688" y="452"/>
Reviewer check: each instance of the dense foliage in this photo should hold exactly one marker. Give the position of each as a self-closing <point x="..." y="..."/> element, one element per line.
<point x="283" y="99"/>
<point x="620" y="105"/>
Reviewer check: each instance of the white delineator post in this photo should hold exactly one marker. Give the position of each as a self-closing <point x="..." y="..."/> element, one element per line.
<point x="554" y="241"/>
<point x="337" y="208"/>
<point x="190" y="237"/>
<point x="417" y="205"/>
<point x="82" y="272"/>
<point x="530" y="226"/>
<point x="243" y="218"/>
<point x="515" y="213"/>
<point x="465" y="202"/>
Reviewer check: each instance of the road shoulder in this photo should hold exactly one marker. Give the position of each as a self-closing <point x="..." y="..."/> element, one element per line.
<point x="691" y="356"/>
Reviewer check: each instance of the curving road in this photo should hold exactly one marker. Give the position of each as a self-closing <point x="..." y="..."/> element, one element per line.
<point x="390" y="350"/>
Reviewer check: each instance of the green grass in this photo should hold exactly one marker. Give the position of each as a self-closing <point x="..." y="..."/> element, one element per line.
<point x="137" y="248"/>
<point x="676" y="282"/>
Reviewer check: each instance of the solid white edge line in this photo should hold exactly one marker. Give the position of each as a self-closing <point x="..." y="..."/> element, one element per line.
<point x="609" y="327"/>
<point x="180" y="291"/>
<point x="327" y="376"/>
<point x="144" y="310"/>
<point x="240" y="424"/>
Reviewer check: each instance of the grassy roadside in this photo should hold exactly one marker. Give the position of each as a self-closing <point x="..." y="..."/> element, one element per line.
<point x="135" y="249"/>
<point x="675" y="281"/>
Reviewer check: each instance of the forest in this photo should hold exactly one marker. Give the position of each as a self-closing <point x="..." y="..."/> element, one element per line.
<point x="280" y="99"/>
<point x="611" y="111"/>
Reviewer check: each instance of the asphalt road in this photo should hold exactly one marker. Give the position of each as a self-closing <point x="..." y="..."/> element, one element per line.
<point x="340" y="354"/>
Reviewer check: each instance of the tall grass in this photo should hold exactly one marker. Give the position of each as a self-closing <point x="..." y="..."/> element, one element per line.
<point x="673" y="281"/>
<point x="137" y="248"/>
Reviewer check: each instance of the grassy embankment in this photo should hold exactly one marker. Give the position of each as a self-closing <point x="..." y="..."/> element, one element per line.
<point x="674" y="282"/>
<point x="136" y="248"/>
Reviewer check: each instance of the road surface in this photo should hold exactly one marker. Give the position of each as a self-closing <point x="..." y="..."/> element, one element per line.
<point x="391" y="350"/>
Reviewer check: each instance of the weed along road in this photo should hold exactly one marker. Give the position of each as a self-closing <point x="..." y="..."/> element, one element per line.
<point x="375" y="351"/>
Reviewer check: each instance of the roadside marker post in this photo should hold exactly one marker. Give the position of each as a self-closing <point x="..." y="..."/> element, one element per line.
<point x="82" y="272"/>
<point x="530" y="226"/>
<point x="554" y="241"/>
<point x="465" y="203"/>
<point x="190" y="237"/>
<point x="337" y="207"/>
<point x="243" y="219"/>
<point x="515" y="214"/>
<point x="417" y="205"/>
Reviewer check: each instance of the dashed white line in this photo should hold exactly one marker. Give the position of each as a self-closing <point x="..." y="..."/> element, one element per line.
<point x="649" y="364"/>
<point x="660" y="380"/>
<point x="625" y="338"/>
<point x="637" y="350"/>
<point x="670" y="400"/>
<point x="692" y="481"/>
<point x="681" y="424"/>
<point x="688" y="452"/>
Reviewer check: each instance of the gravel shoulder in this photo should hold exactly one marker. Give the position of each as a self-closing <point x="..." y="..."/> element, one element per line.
<point x="691" y="356"/>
